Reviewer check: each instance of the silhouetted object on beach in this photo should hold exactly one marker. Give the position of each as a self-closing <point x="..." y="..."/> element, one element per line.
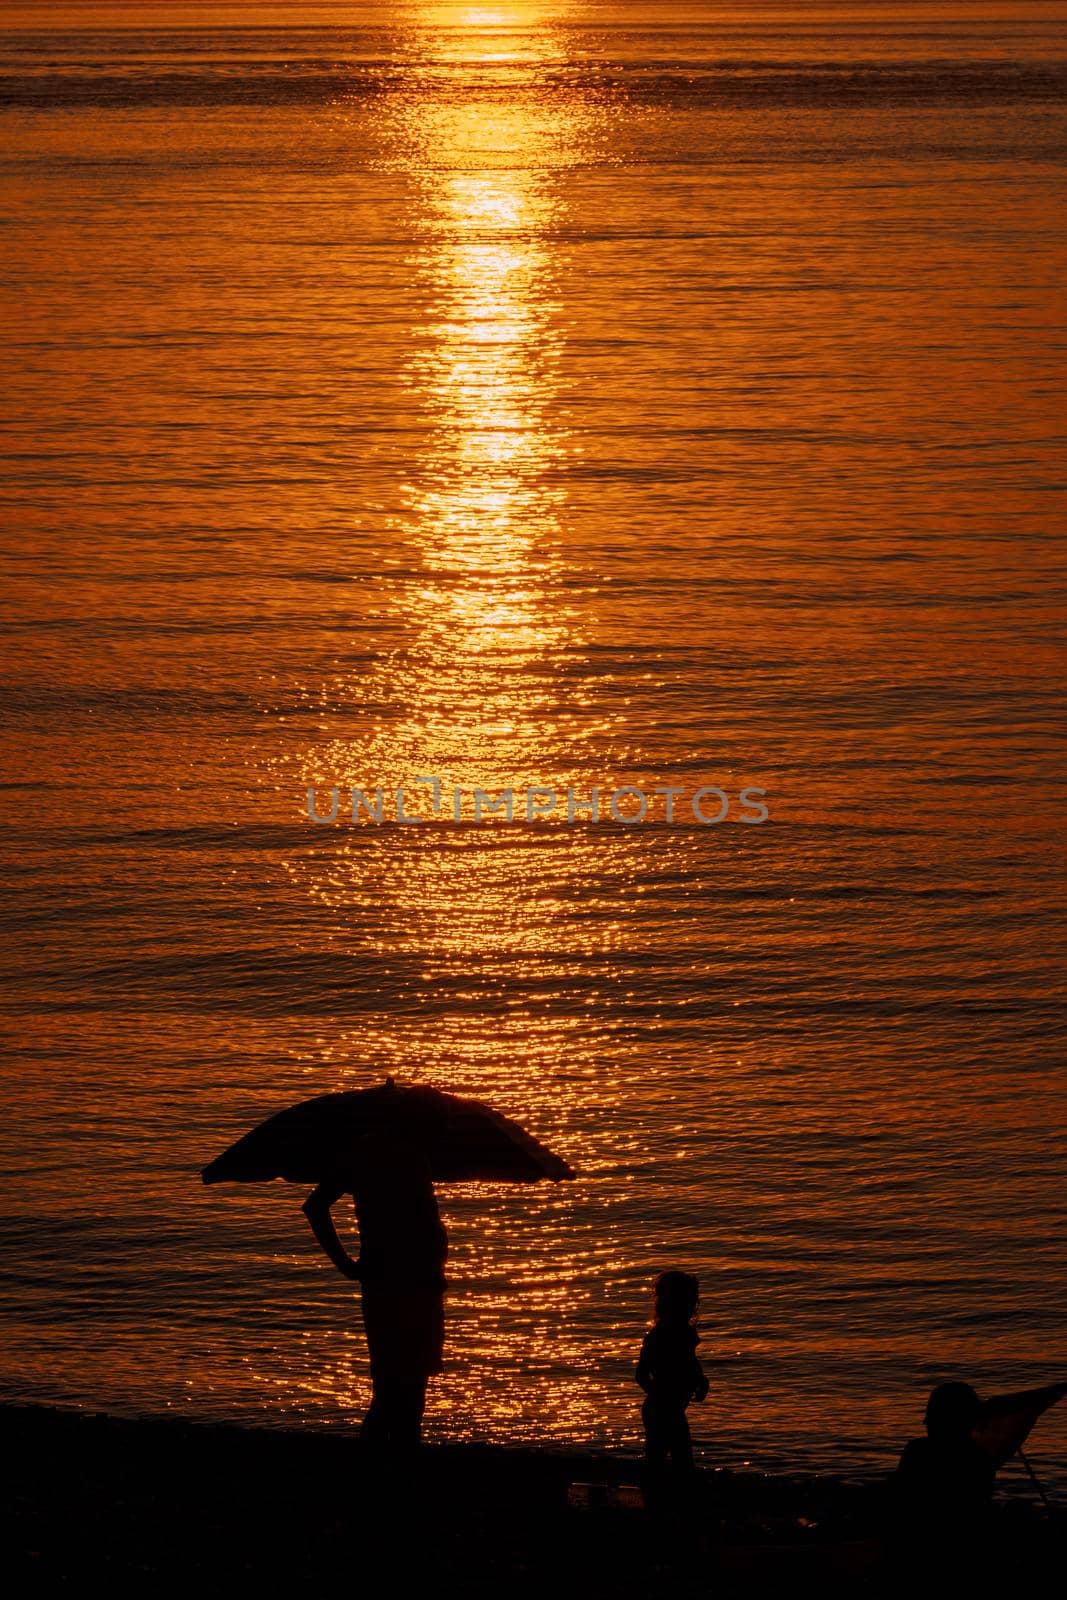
<point x="463" y="1140"/>
<point x="948" y="1476"/>
<point x="386" y="1147"/>
<point x="1004" y="1420"/>
<point x="941" y="1491"/>
<point x="671" y="1375"/>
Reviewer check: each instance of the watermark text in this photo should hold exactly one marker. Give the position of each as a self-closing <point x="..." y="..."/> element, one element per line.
<point x="427" y="799"/>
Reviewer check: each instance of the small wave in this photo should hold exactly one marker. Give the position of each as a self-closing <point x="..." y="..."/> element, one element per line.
<point x="273" y="84"/>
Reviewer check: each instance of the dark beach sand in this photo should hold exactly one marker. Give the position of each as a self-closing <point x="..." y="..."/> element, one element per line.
<point x="159" y="1505"/>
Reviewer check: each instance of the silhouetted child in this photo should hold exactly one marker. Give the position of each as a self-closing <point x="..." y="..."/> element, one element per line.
<point x="670" y="1373"/>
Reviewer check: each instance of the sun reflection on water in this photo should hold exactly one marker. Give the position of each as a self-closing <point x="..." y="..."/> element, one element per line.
<point x="476" y="695"/>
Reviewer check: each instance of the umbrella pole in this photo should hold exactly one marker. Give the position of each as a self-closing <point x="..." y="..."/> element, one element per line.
<point x="1034" y="1479"/>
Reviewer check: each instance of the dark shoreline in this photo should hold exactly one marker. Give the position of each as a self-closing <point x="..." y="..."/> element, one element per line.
<point x="207" y="1507"/>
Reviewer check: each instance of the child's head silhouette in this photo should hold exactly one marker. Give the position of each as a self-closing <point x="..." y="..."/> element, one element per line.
<point x="677" y="1297"/>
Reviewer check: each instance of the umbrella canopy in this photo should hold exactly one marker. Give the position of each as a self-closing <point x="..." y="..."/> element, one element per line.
<point x="1005" y="1420"/>
<point x="319" y="1140"/>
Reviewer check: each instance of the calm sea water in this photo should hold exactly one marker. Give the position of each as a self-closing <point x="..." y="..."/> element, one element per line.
<point x="540" y="394"/>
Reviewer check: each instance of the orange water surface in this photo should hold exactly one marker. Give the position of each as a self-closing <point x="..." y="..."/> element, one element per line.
<point x="539" y="395"/>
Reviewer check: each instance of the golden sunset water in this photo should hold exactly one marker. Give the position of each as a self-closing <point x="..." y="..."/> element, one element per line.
<point x="559" y="396"/>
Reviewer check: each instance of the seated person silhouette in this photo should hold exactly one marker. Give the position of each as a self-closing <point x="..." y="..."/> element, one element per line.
<point x="947" y="1475"/>
<point x="941" y="1491"/>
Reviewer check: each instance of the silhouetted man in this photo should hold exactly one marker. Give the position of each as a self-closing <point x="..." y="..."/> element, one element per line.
<point x="403" y="1246"/>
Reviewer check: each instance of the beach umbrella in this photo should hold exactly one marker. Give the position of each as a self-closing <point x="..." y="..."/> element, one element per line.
<point x="1005" y="1420"/>
<point x="319" y="1140"/>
